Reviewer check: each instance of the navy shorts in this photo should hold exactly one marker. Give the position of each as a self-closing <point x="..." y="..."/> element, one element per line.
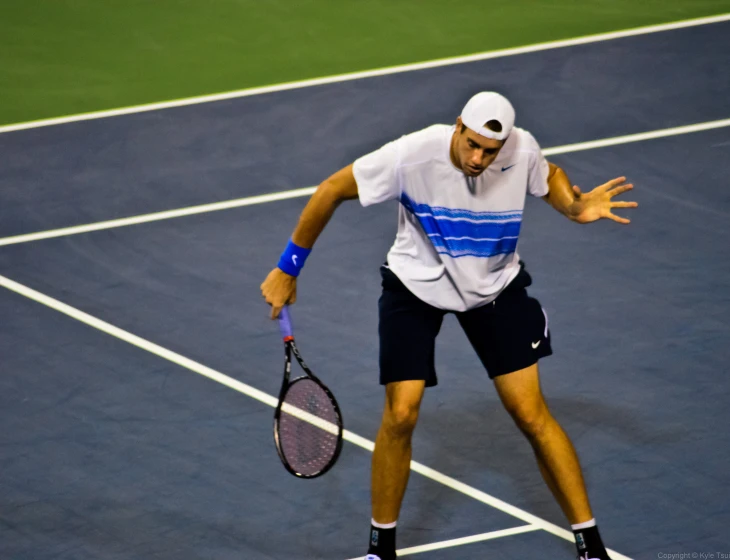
<point x="509" y="334"/>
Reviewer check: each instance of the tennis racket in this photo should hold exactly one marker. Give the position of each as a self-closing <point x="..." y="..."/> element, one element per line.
<point x="307" y="421"/>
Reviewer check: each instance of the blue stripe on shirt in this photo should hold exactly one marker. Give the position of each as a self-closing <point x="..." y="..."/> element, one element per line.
<point x="460" y="233"/>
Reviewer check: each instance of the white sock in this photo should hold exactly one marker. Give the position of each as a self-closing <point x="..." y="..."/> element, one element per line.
<point x="586" y="525"/>
<point x="383" y="525"/>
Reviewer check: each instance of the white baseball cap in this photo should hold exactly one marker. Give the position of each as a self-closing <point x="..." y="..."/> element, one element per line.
<point x="489" y="106"/>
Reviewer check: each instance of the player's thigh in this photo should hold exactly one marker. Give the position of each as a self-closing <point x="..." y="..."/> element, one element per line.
<point x="522" y="396"/>
<point x="509" y="334"/>
<point x="407" y="328"/>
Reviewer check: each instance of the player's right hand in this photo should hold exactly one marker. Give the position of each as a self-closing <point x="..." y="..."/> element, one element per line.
<point x="278" y="290"/>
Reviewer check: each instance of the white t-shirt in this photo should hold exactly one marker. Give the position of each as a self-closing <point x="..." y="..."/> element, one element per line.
<point x="456" y="246"/>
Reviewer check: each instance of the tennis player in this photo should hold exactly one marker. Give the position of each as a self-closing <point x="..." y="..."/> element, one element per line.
<point x="462" y="192"/>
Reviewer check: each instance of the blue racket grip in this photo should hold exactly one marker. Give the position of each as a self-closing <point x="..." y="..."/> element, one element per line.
<point x="287" y="332"/>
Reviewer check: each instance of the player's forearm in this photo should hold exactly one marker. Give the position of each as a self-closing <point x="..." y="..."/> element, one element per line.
<point x="316" y="215"/>
<point x="328" y="196"/>
<point x="560" y="194"/>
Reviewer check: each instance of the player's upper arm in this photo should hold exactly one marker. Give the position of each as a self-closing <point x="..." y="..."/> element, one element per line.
<point x="553" y="169"/>
<point x="342" y="184"/>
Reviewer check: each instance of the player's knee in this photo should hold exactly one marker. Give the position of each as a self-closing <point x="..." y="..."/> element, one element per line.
<point x="400" y="418"/>
<point x="532" y="420"/>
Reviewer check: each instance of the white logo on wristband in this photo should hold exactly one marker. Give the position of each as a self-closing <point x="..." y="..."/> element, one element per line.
<point x="294" y="260"/>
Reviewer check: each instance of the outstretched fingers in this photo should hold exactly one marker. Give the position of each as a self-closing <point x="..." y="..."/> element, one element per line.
<point x="619" y="190"/>
<point x="612" y="183"/>
<point x="618" y="219"/>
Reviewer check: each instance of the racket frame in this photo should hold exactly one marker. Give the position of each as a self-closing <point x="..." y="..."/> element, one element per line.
<point x="290" y="348"/>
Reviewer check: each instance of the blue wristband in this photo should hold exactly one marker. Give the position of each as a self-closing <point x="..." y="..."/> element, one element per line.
<point x="292" y="259"/>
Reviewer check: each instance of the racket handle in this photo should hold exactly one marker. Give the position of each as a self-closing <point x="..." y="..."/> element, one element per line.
<point x="287" y="332"/>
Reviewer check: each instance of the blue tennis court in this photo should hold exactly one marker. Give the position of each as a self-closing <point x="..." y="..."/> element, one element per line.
<point x="140" y="366"/>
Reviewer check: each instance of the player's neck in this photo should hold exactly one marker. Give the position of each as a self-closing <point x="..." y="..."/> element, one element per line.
<point x="452" y="153"/>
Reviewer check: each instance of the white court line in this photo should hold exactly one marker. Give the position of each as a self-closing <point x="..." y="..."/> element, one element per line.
<point x="464" y="540"/>
<point x="369" y="73"/>
<point x="269" y="400"/>
<point x="157" y="216"/>
<point x="283" y="195"/>
<point x="629" y="138"/>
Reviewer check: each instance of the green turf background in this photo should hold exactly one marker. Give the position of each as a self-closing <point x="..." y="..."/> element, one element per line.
<point x="61" y="57"/>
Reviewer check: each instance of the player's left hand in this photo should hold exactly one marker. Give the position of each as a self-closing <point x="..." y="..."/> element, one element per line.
<point x="597" y="204"/>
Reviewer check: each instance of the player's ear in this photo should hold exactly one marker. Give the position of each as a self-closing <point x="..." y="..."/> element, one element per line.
<point x="459" y="124"/>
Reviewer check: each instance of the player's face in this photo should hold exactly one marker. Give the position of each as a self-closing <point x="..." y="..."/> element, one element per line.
<point x="473" y="152"/>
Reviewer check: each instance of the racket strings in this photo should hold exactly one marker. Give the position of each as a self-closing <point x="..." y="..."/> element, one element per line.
<point x="308" y="448"/>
